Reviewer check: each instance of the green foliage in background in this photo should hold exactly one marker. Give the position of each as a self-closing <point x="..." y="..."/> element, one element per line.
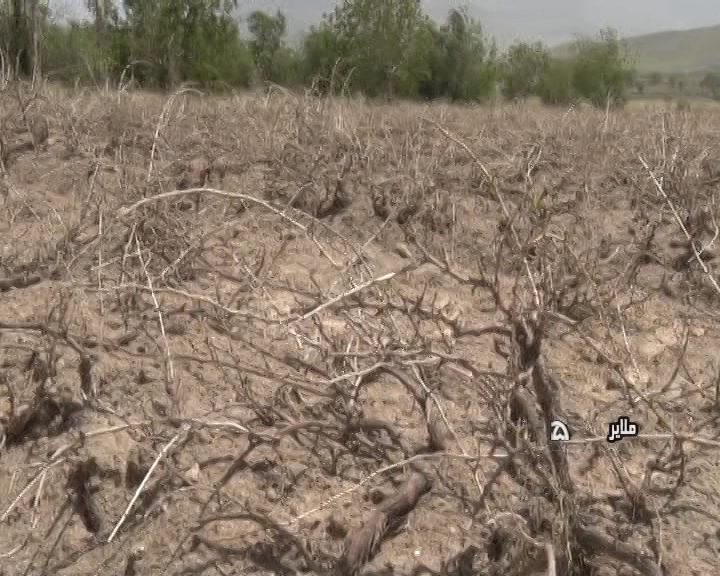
<point x="523" y="70"/>
<point x="556" y="86"/>
<point x="598" y="71"/>
<point x="380" y="48"/>
<point x="275" y="62"/>
<point x="392" y="48"/>
<point x="601" y="70"/>
<point x="711" y="83"/>
<point x="375" y="40"/>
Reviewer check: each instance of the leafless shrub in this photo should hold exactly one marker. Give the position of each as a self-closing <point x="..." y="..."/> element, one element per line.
<point x="362" y="332"/>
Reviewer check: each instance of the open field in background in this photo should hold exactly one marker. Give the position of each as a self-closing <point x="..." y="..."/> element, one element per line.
<point x="349" y="347"/>
<point x="677" y="51"/>
<point x="699" y="105"/>
<point x="681" y="58"/>
<point x="682" y="52"/>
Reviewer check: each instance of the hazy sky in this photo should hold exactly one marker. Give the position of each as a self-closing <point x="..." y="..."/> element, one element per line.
<point x="553" y="21"/>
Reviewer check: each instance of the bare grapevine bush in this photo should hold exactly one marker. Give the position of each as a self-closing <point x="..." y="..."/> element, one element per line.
<point x="290" y="335"/>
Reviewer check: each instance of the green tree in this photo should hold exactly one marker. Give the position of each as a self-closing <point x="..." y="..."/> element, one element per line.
<point x="557" y="86"/>
<point x="379" y="47"/>
<point x="375" y="40"/>
<point x="104" y="12"/>
<point x="268" y="32"/>
<point x="462" y="61"/>
<point x="392" y="48"/>
<point x="470" y="60"/>
<point x="523" y="69"/>
<point x="287" y="67"/>
<point x="321" y="51"/>
<point x="602" y="71"/>
<point x="21" y="27"/>
<point x="185" y="40"/>
<point x="417" y="70"/>
<point x="711" y="83"/>
<point x="69" y="52"/>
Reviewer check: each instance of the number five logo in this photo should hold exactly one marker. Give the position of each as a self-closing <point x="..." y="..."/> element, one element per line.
<point x="559" y="431"/>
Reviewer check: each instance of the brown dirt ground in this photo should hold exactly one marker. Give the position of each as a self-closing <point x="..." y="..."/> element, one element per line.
<point x="227" y="273"/>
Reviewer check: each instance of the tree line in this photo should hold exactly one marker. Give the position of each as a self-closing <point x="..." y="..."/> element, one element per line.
<point x="380" y="48"/>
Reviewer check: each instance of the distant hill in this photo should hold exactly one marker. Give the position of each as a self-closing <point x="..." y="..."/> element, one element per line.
<point x="671" y="52"/>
